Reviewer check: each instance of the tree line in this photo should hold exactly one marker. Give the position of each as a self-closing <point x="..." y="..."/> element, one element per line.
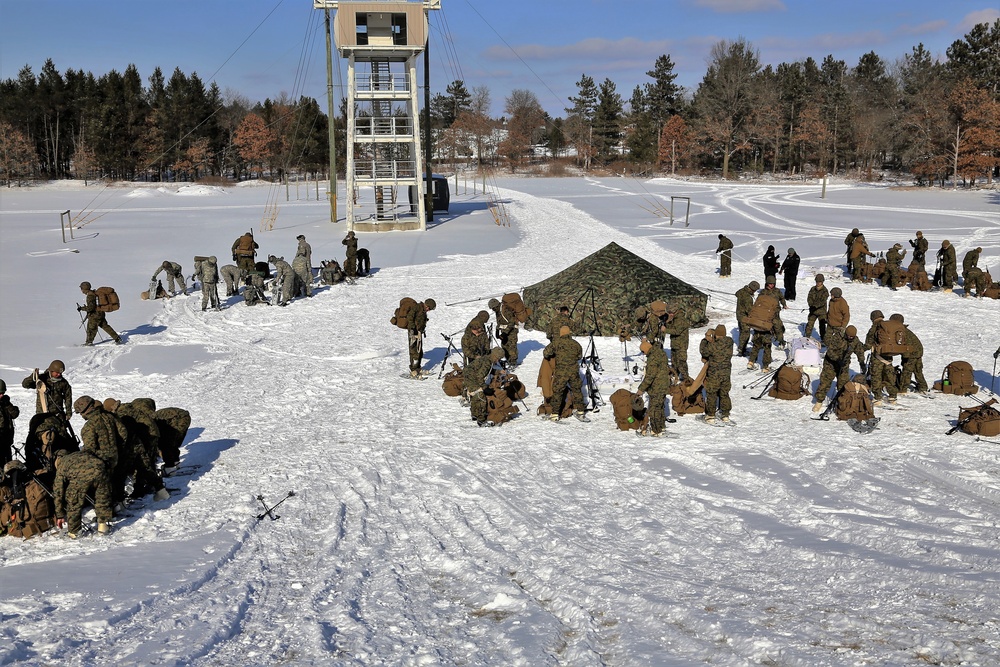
<point x="938" y="120"/>
<point x="56" y="125"/>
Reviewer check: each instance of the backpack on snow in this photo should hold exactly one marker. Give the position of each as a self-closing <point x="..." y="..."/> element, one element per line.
<point x="761" y="315"/>
<point x="403" y="316"/>
<point x="107" y="300"/>
<point x="790" y="384"/>
<point x="453" y="383"/>
<point x="957" y="378"/>
<point x="516" y="305"/>
<point x="890" y="338"/>
<point x="980" y="420"/>
<point x="630" y="414"/>
<point x="27" y="508"/>
<point x="855" y="402"/>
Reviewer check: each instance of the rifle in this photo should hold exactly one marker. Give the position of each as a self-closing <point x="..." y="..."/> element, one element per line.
<point x="972" y="415"/>
<point x="447" y="353"/>
<point x="770" y="380"/>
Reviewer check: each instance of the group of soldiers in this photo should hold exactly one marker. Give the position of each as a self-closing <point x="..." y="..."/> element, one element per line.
<point x="485" y="352"/>
<point x="288" y="281"/>
<point x="116" y="458"/>
<point x="889" y="269"/>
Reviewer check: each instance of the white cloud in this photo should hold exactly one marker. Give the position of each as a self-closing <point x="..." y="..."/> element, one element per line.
<point x="970" y="20"/>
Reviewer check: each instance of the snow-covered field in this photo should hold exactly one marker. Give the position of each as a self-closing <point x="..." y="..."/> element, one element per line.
<point x="415" y="538"/>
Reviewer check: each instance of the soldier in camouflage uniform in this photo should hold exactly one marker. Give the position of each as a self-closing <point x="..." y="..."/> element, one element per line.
<point x="678" y="326"/>
<point x="893" y="266"/>
<point x="858" y="253"/>
<point x="882" y="372"/>
<point x="837" y="362"/>
<point x="233" y="275"/>
<point x="744" y="302"/>
<point x="174" y="275"/>
<point x="717" y="352"/>
<point x="302" y="266"/>
<point x="919" y="249"/>
<point x="562" y="319"/>
<point x="838" y="312"/>
<point x="53" y="389"/>
<point x="475" y="376"/>
<point x="244" y="250"/>
<point x="816" y="300"/>
<point x="415" y="335"/>
<point x="656" y="382"/>
<point x="102" y="434"/>
<point x="648" y="326"/>
<point x="761" y="341"/>
<point x="283" y="287"/>
<point x="726" y="258"/>
<point x="913" y="361"/>
<point x="351" y="260"/>
<point x="76" y="474"/>
<point x="970" y="263"/>
<point x="507" y="330"/>
<point x="949" y="266"/>
<point x="173" y="424"/>
<point x="566" y="376"/>
<point x="305" y="250"/>
<point x="475" y="341"/>
<point x="778" y="327"/>
<point x="95" y="318"/>
<point x="142" y="448"/>
<point x="209" y="277"/>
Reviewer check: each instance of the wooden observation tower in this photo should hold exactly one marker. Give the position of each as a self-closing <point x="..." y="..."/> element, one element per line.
<point x="381" y="41"/>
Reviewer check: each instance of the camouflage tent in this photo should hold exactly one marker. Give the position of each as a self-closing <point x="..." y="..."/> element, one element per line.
<point x="604" y="289"/>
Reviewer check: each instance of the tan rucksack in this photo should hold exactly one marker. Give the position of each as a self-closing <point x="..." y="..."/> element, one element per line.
<point x="453" y="381"/>
<point x="855" y="402"/>
<point x="107" y="300"/>
<point x="513" y="302"/>
<point x="957" y="378"/>
<point x="980" y="420"/>
<point x="790" y="384"/>
<point x="890" y="338"/>
<point x="27" y="516"/>
<point x="761" y="315"/>
<point x="630" y="411"/>
<point x="403" y="316"/>
<point x="682" y="403"/>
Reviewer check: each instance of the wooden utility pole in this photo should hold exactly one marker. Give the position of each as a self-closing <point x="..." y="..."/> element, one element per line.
<point x="332" y="121"/>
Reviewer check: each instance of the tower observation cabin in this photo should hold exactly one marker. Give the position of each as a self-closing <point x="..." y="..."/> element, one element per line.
<point x="381" y="41"/>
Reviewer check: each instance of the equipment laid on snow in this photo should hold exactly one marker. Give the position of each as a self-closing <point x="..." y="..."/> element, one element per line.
<point x="982" y="419"/>
<point x="269" y="511"/>
<point x="957" y="379"/>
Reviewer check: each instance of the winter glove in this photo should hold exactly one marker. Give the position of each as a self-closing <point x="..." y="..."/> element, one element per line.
<point x="864" y="369"/>
<point x="79" y="308"/>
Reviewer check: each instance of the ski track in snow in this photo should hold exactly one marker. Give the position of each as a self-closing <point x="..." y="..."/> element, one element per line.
<point x="417" y="539"/>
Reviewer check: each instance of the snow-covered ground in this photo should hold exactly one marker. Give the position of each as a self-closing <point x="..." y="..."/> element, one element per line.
<point x="416" y="538"/>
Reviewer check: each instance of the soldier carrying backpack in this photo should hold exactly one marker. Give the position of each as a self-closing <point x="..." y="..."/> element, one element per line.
<point x="412" y="316"/>
<point x="96" y="308"/>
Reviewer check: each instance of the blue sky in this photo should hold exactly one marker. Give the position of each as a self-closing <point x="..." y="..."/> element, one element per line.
<point x="263" y="48"/>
